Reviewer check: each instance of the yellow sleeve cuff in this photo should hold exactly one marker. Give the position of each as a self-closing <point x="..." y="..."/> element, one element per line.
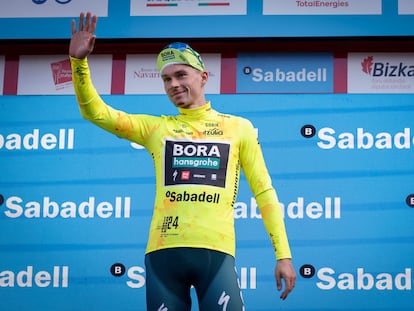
<point x="274" y="223"/>
<point x="82" y="83"/>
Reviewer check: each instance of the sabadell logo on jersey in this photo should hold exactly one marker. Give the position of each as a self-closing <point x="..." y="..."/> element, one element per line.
<point x="37" y="139"/>
<point x="360" y="138"/>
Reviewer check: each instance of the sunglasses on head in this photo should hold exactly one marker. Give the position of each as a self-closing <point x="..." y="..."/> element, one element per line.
<point x="181" y="46"/>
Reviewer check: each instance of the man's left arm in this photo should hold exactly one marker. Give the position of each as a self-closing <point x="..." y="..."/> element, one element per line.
<point x="260" y="183"/>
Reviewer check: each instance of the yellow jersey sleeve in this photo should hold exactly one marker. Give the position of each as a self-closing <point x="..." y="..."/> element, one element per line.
<point x="255" y="170"/>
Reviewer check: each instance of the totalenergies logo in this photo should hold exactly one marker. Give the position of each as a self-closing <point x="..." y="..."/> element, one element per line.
<point x="386" y="69"/>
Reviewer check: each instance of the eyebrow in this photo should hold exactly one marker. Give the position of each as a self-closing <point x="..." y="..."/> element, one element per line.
<point x="181" y="71"/>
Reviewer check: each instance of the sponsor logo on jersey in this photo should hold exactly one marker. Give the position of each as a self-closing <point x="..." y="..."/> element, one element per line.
<point x="196" y="162"/>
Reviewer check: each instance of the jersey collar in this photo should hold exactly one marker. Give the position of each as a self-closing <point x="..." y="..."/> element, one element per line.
<point x="196" y="112"/>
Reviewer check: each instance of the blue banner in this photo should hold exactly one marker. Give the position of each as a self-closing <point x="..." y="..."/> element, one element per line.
<point x="285" y="73"/>
<point x="76" y="202"/>
<point x="50" y="19"/>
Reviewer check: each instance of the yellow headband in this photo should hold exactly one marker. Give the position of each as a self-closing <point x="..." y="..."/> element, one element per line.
<point x="179" y="53"/>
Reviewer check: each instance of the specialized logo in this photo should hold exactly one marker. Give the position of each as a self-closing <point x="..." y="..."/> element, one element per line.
<point x="202" y="163"/>
<point x="162" y="308"/>
<point x="224" y="300"/>
<point x="386" y="69"/>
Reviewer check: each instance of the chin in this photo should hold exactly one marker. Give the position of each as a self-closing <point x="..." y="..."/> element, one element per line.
<point x="181" y="104"/>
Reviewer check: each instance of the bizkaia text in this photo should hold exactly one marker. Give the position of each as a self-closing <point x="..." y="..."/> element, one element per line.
<point x="17" y="207"/>
<point x="38" y="140"/>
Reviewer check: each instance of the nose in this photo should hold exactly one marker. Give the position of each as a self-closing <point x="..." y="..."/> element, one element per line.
<point x="173" y="83"/>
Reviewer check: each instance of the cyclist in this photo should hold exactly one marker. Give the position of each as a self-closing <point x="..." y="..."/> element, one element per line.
<point x="198" y="155"/>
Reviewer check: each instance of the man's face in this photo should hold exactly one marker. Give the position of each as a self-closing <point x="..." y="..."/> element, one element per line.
<point x="184" y="85"/>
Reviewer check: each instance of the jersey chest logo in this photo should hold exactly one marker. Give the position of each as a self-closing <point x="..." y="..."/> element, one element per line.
<point x="195" y="162"/>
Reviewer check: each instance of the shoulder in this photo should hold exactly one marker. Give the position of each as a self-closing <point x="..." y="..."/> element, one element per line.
<point x="235" y="119"/>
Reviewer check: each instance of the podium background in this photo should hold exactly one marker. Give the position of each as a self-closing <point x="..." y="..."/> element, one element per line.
<point x="373" y="230"/>
<point x="76" y="202"/>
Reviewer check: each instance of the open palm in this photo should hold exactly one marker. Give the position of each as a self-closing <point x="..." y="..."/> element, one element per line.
<point x="82" y="41"/>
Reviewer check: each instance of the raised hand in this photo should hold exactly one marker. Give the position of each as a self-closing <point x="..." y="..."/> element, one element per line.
<point x="83" y="40"/>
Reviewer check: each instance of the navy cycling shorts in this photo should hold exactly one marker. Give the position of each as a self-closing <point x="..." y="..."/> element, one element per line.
<point x="170" y="273"/>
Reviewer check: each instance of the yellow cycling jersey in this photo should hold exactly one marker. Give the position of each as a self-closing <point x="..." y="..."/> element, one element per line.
<point x="197" y="156"/>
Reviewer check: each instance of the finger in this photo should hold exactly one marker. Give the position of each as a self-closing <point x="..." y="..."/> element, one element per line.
<point x="94" y="22"/>
<point x="284" y="294"/>
<point x="279" y="283"/>
<point x="290" y="284"/>
<point x="88" y="21"/>
<point x="80" y="27"/>
<point x="73" y="27"/>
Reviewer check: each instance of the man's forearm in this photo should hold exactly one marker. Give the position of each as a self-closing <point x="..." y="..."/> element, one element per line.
<point x="274" y="223"/>
<point x="82" y="83"/>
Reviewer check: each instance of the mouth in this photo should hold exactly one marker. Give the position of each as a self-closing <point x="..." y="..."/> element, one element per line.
<point x="177" y="93"/>
<point x="177" y="97"/>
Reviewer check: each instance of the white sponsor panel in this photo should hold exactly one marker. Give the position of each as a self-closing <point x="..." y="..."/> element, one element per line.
<point x="405" y="7"/>
<point x="381" y="73"/>
<point x="51" y="8"/>
<point x="142" y="76"/>
<point x="322" y="7"/>
<point x="188" y="7"/>
<point x="52" y="75"/>
<point x="2" y="64"/>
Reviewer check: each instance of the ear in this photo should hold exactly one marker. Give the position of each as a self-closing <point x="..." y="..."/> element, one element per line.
<point x="204" y="78"/>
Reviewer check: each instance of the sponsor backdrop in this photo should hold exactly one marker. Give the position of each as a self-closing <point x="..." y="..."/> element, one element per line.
<point x="76" y="202"/>
<point x="50" y="19"/>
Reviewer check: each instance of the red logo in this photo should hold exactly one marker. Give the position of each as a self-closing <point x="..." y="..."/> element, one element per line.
<point x="62" y="73"/>
<point x="185" y="175"/>
<point x="367" y="65"/>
